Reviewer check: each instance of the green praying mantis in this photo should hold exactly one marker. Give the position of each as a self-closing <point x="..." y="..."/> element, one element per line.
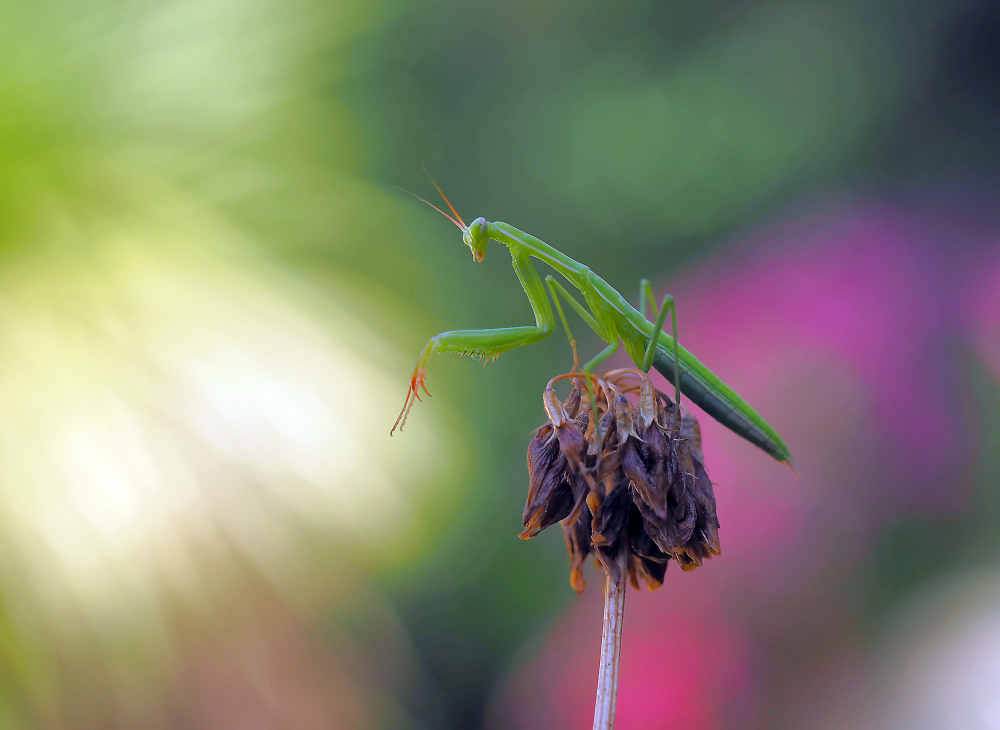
<point x="607" y="313"/>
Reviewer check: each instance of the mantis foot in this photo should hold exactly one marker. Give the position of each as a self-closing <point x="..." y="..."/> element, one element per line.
<point x="413" y="394"/>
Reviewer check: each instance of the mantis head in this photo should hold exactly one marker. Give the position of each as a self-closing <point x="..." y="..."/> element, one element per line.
<point x="476" y="237"/>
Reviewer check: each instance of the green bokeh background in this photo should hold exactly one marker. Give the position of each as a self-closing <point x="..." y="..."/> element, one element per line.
<point x="199" y="230"/>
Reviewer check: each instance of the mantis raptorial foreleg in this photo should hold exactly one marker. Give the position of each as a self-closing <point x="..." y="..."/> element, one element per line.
<point x="487" y="344"/>
<point x="646" y="290"/>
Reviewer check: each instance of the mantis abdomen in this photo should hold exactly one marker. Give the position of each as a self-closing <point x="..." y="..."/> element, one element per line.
<point x="717" y="399"/>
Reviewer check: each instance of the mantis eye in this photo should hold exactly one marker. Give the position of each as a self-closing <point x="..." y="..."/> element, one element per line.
<point x="477" y="229"/>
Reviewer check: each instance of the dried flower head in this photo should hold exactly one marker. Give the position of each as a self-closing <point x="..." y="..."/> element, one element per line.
<point x="631" y="488"/>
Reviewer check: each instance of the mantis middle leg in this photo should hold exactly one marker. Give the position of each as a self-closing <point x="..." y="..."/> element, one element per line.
<point x="557" y="288"/>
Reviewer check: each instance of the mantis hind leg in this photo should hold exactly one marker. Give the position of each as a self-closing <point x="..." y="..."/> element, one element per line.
<point x="646" y="290"/>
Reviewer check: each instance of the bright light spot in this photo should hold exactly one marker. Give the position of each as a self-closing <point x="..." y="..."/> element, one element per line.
<point x="156" y="400"/>
<point x="945" y="669"/>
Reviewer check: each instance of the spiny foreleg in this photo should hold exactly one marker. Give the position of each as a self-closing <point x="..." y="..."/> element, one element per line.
<point x="481" y="344"/>
<point x="486" y="344"/>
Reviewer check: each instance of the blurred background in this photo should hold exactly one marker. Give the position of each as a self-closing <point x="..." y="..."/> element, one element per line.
<point x="211" y="298"/>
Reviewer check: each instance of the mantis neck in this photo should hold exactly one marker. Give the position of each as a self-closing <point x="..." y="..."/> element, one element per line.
<point x="514" y="239"/>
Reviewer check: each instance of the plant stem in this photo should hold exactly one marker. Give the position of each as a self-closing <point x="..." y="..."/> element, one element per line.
<point x="611" y="645"/>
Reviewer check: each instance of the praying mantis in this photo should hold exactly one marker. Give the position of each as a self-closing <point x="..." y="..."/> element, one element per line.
<point x="607" y="313"/>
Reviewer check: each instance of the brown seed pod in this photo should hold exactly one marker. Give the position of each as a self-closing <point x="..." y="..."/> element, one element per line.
<point x="631" y="489"/>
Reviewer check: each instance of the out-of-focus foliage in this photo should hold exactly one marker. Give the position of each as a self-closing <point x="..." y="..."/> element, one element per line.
<point x="211" y="296"/>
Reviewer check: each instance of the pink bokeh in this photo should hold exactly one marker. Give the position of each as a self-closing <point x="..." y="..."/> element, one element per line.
<point x="682" y="667"/>
<point x="841" y="329"/>
<point x="857" y="292"/>
<point x="981" y="297"/>
<point x="833" y="328"/>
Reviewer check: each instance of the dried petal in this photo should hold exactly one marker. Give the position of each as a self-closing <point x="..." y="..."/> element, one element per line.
<point x="694" y="534"/>
<point x="572" y="444"/>
<point x="609" y="526"/>
<point x="597" y="445"/>
<point x="646" y="561"/>
<point x="650" y="464"/>
<point x="577" y="535"/>
<point x="691" y="435"/>
<point x="546" y="470"/>
<point x="574" y="400"/>
<point x="612" y="516"/>
<point x="557" y="507"/>
<point x="624" y="414"/>
<point x="708" y="519"/>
